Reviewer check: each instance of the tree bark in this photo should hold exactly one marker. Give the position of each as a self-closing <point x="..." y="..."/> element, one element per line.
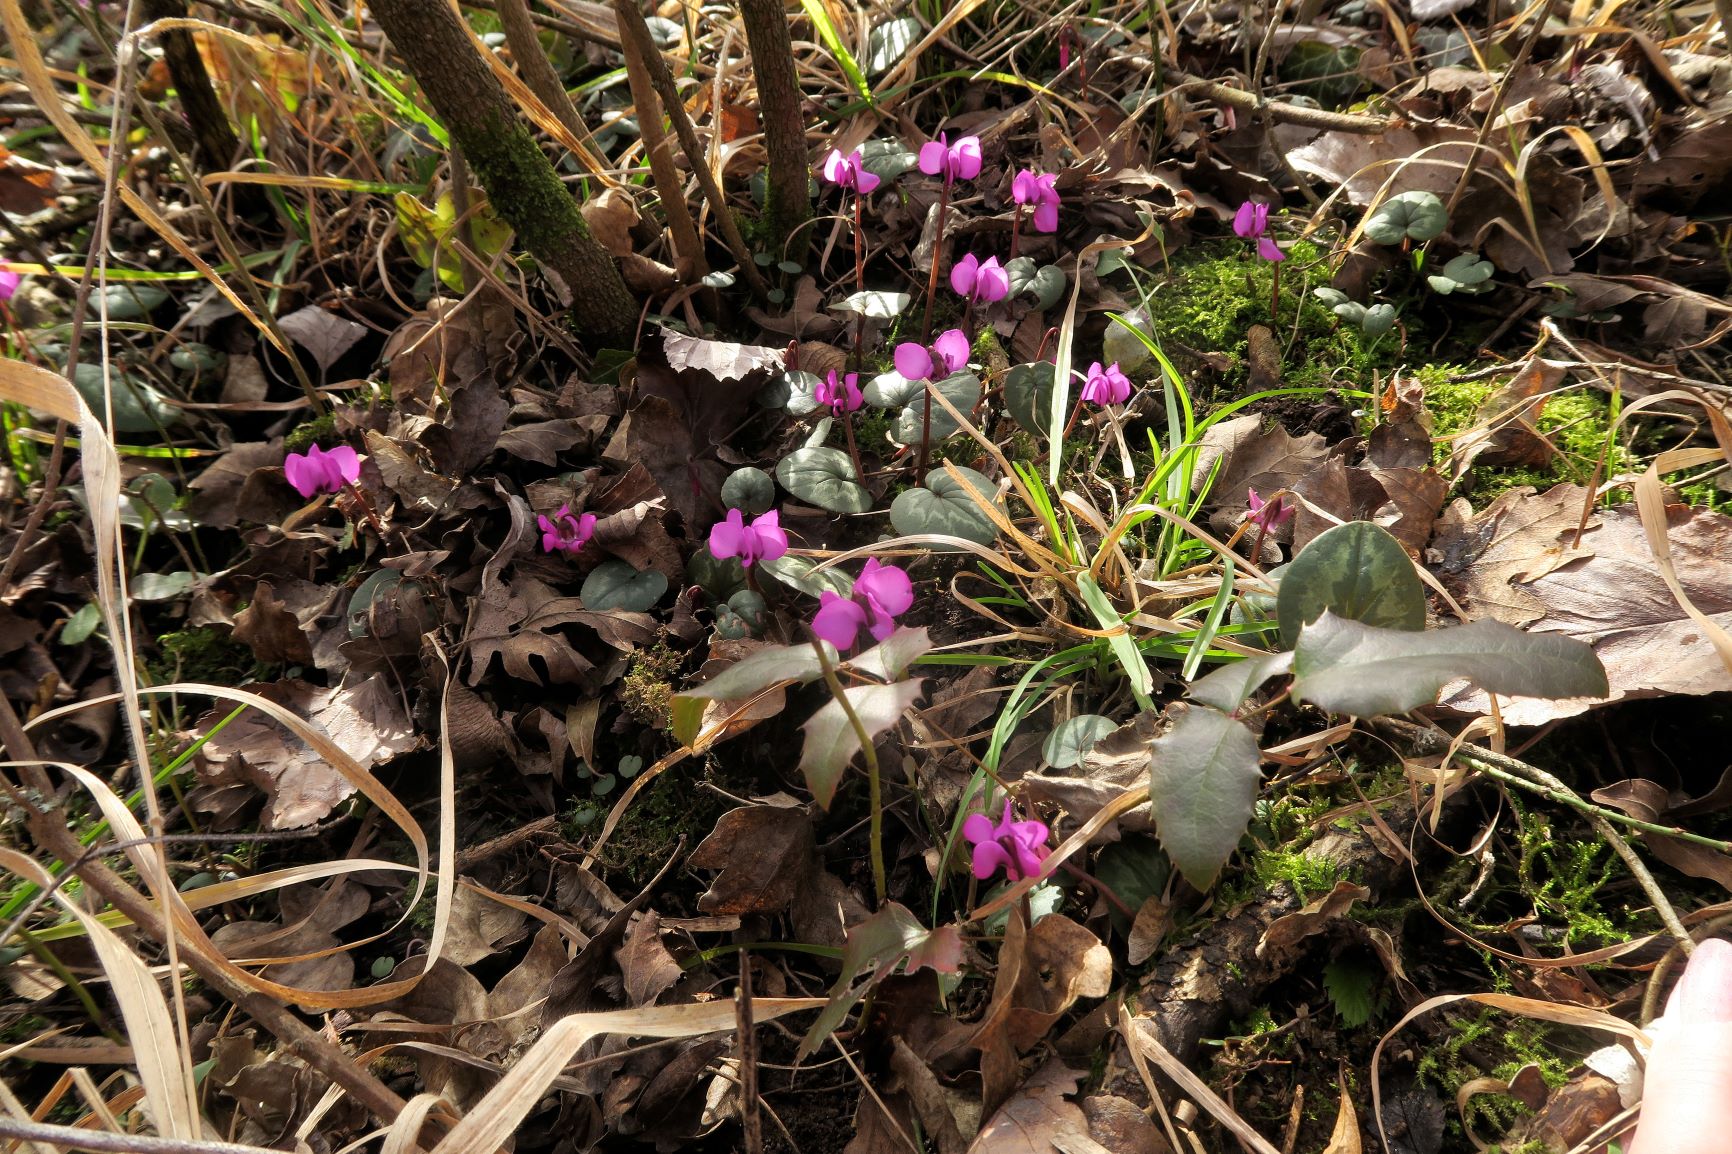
<point x="217" y="143"/>
<point x="520" y="181"/>
<point x="787" y="189"/>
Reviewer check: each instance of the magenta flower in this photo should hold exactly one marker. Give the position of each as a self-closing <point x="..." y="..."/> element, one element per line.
<point x="1268" y="515"/>
<point x="951" y="161"/>
<point x="317" y="471"/>
<point x="839" y="394"/>
<point x="849" y="171"/>
<point x="1252" y="223"/>
<point x="948" y="354"/>
<point x="1108" y="386"/>
<point x="980" y="282"/>
<point x="1039" y="189"/>
<point x="762" y="540"/>
<point x="9" y="282"/>
<point x="881" y="594"/>
<point x="564" y="532"/>
<point x="1018" y="846"/>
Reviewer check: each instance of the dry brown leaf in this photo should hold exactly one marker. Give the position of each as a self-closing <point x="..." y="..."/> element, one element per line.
<point x="1039" y="1119"/>
<point x="1314" y="917"/>
<point x="1610" y="594"/>
<point x="273" y="633"/>
<point x="1345" y="1138"/>
<point x="1650" y="801"/>
<point x="648" y="968"/>
<point x="365" y="720"/>
<point x="1504" y="431"/>
<point x="610" y="218"/>
<point x="765" y="854"/>
<point x="1254" y="458"/>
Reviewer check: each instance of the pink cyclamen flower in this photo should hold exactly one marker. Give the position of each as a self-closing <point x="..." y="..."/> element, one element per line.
<point x="762" y="540"/>
<point x="980" y="282"/>
<point x="564" y="532"/>
<point x="948" y="354"/>
<point x="1039" y="189"/>
<point x="1018" y="846"/>
<point x="849" y="171"/>
<point x="951" y="161"/>
<point x="881" y="594"/>
<point x="9" y="282"/>
<point x="1108" y="386"/>
<point x="317" y="471"/>
<point x="839" y="394"/>
<point x="1252" y="223"/>
<point x="1268" y="515"/>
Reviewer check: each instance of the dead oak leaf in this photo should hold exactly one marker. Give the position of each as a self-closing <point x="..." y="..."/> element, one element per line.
<point x="272" y="632"/>
<point x="366" y="720"/>
<point x="1610" y="594"/>
<point x="1039" y="1119"/>
<point x="765" y="854"/>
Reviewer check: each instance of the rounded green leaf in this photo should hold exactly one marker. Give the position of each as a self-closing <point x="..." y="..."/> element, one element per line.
<point x="945" y="507"/>
<point x="138" y="406"/>
<point x="1329" y="296"/>
<point x="803" y="574"/>
<point x="887" y="159"/>
<point x="1416" y="216"/>
<point x="1124" y="339"/>
<point x="1045" y="283"/>
<point x="616" y="585"/>
<point x="883" y="306"/>
<point x="890" y="390"/>
<point x="802" y="392"/>
<point x="823" y="477"/>
<point x="720" y="577"/>
<point x="961" y="390"/>
<point x="1203" y="780"/>
<point x="1066" y="745"/>
<point x="1028" y="395"/>
<point x="1358" y="571"/>
<point x="750" y="490"/>
<point x="1378" y="319"/>
<point x="129" y="302"/>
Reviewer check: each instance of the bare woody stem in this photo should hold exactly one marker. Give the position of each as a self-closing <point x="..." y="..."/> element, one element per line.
<point x="631" y="24"/>
<point x="788" y="202"/>
<point x="688" y="246"/>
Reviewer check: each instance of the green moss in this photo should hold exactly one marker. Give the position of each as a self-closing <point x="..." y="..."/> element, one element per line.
<point x="203" y="654"/>
<point x="321" y="431"/>
<point x="670" y="808"/>
<point x="1214" y="293"/>
<point x="647" y="693"/>
<point x="1510" y="1043"/>
<point x="1310" y="875"/>
<point x="1567" y="878"/>
<point x="1576" y="422"/>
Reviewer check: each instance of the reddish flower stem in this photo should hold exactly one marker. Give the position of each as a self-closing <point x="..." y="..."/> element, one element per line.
<point x="926" y="329"/>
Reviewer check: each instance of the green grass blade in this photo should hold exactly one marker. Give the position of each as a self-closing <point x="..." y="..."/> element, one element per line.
<point x="833" y="41"/>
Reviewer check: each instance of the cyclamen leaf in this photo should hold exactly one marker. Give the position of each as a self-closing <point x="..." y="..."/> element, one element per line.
<point x="1356" y="570"/>
<point x="945" y="507"/>
<point x="1345" y="666"/>
<point x="890" y="390"/>
<point x="1203" y="781"/>
<point x="961" y="390"/>
<point x="748" y="677"/>
<point x="883" y="942"/>
<point x="889" y="43"/>
<point x="617" y="585"/>
<point x="825" y="478"/>
<point x="883" y="306"/>
<point x="1028" y="394"/>
<point x="803" y="574"/>
<point x="1075" y="737"/>
<point x="1416" y="216"/>
<point x="890" y="658"/>
<point x="831" y="742"/>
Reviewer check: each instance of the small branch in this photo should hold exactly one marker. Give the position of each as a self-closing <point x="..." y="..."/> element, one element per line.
<point x="79" y="1138"/>
<point x="1281" y="113"/>
<point x="537" y="69"/>
<point x="632" y="26"/>
<point x="688" y="246"/>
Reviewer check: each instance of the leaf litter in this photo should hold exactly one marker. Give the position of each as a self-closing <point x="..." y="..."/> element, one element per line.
<point x="1189" y="832"/>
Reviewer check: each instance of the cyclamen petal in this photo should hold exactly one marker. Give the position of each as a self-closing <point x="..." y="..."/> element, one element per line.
<point x="1025" y="187"/>
<point x="9" y="282"/>
<point x="838" y="620"/>
<point x="839" y="395"/>
<point x="963" y="274"/>
<point x="991" y="282"/>
<point x="1245" y="220"/>
<point x="933" y="156"/>
<point x="1269" y="250"/>
<point x="1046" y="216"/>
<point x="913" y="361"/>
<point x="887" y="585"/>
<point x="317" y="471"/>
<point x="952" y="349"/>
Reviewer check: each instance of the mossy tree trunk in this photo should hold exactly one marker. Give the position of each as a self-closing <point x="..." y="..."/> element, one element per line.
<point x="520" y="181"/>
<point x="788" y="186"/>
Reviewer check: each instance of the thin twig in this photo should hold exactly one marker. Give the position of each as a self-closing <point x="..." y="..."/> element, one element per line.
<point x="78" y="1138"/>
<point x="1430" y="741"/>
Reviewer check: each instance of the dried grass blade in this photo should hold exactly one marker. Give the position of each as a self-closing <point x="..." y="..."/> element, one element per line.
<point x="496" y="1116"/>
<point x="167" y="1078"/>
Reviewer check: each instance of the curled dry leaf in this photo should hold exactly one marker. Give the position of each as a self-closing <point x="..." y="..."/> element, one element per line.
<point x="365" y="720"/>
<point x="1521" y="564"/>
